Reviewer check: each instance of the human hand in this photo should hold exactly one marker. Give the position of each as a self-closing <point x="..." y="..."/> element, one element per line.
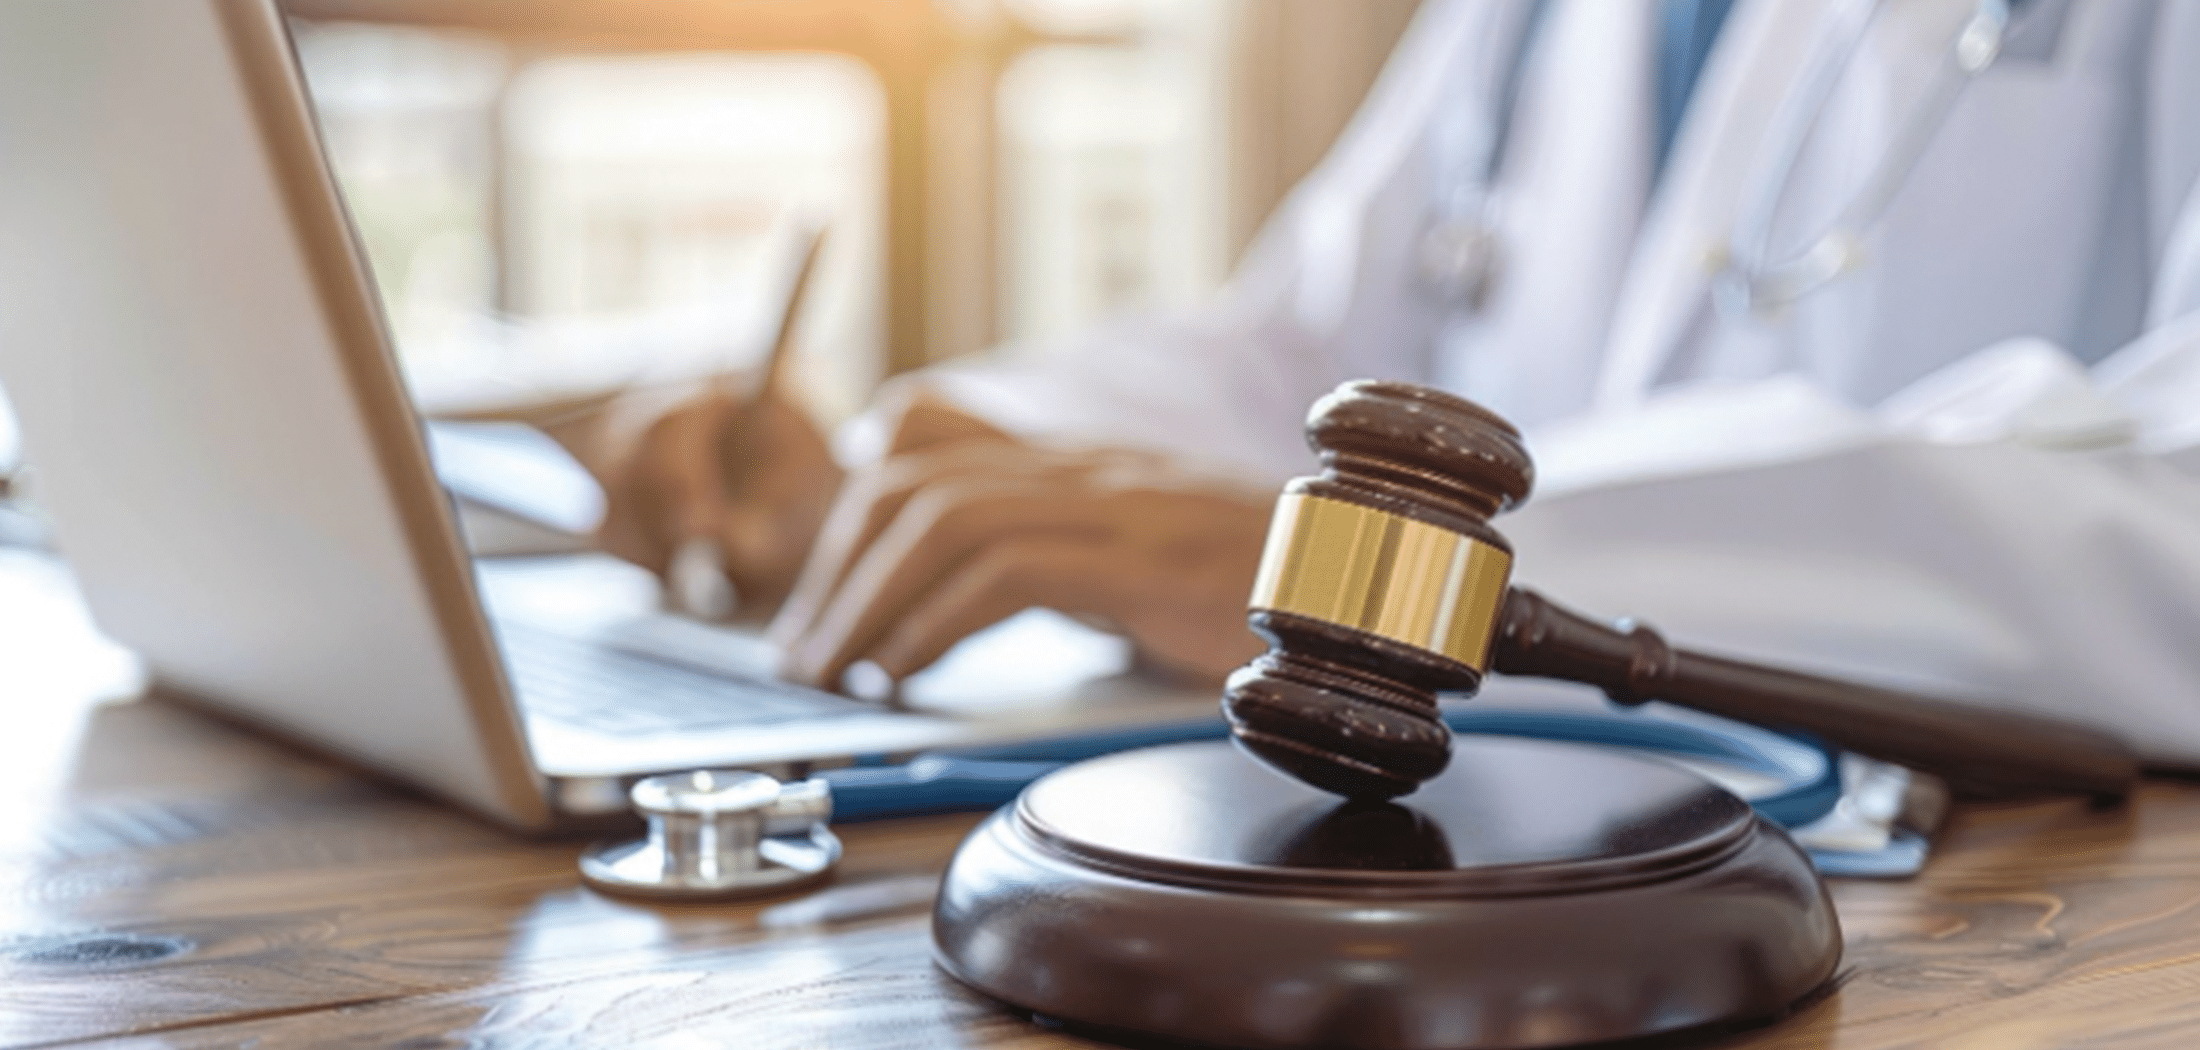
<point x="751" y="477"/>
<point x="966" y="526"/>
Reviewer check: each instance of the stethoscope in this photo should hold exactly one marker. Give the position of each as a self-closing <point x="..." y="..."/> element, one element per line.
<point x="718" y="834"/>
<point x="1460" y="254"/>
<point x="1748" y="276"/>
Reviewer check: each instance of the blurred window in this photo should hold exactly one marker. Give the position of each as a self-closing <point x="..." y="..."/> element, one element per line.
<point x="541" y="218"/>
<point x="1111" y="167"/>
<point x="570" y="221"/>
<point x="651" y="186"/>
<point x="408" y="117"/>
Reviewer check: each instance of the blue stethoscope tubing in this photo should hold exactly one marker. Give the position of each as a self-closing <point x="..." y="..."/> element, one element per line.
<point x="985" y="778"/>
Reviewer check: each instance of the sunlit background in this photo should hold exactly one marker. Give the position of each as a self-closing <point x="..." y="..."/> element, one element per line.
<point x="581" y="193"/>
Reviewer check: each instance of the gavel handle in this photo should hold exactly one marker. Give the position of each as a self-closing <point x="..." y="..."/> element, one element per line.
<point x="1977" y="750"/>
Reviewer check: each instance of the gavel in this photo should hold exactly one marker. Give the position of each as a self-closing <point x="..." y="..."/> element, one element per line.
<point x="1383" y="584"/>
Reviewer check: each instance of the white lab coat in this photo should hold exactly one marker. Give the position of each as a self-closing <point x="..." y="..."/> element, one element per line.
<point x="1961" y="467"/>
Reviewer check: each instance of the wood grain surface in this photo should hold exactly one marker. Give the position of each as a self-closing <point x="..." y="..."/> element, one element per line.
<point x="167" y="880"/>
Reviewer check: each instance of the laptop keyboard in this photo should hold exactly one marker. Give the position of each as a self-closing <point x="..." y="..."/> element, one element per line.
<point x="601" y="688"/>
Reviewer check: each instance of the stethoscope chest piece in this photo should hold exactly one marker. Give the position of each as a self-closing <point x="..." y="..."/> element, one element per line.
<point x="1750" y="278"/>
<point x="716" y="834"/>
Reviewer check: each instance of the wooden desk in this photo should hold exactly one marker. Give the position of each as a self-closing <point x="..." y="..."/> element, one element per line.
<point x="167" y="877"/>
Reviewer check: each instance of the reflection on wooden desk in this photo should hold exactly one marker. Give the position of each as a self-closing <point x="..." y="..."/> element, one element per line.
<point x="168" y="876"/>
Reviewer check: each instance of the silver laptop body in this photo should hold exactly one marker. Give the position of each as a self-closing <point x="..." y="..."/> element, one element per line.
<point x="223" y="441"/>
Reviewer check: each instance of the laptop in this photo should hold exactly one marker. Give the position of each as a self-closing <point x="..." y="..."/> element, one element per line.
<point x="193" y="346"/>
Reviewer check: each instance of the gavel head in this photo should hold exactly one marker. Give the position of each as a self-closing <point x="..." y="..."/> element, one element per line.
<point x="1380" y="587"/>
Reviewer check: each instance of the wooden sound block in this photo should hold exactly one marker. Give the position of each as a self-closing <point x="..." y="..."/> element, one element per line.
<point x="1534" y="894"/>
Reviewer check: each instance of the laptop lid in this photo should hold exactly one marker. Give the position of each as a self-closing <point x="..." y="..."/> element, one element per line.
<point x="203" y="380"/>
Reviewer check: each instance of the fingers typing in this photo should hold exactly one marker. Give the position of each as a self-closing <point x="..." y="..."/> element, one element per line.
<point x="934" y="548"/>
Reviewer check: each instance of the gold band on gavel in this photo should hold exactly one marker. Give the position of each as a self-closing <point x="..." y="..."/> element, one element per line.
<point x="1374" y="571"/>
